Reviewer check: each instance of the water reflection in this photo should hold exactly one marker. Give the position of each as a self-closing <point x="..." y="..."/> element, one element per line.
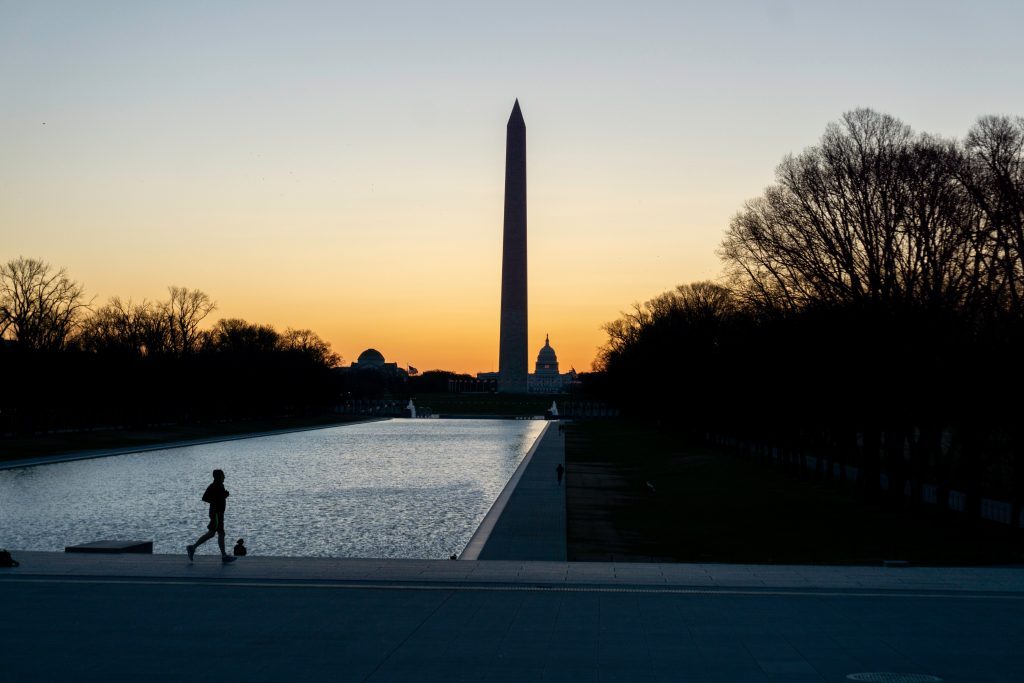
<point x="400" y="488"/>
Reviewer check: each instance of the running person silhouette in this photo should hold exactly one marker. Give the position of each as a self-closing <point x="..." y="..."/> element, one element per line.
<point x="217" y="496"/>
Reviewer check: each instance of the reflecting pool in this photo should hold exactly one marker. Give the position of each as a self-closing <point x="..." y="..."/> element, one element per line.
<point x="395" y="488"/>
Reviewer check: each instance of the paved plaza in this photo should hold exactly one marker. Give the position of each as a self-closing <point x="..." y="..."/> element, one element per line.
<point x="158" y="617"/>
<point x="121" y="617"/>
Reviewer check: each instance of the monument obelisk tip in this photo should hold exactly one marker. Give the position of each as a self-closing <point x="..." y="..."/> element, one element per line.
<point x="516" y="118"/>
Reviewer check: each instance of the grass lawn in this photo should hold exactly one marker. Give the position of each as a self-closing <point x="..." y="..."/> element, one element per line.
<point x="713" y="506"/>
<point x="16" y="448"/>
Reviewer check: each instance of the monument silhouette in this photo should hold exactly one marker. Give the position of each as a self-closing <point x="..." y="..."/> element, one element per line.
<point x="512" y="353"/>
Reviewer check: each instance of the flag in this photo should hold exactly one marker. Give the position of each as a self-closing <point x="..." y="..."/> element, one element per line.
<point x="413" y="371"/>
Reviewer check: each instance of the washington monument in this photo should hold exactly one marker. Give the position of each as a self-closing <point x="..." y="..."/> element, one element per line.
<point x="512" y="353"/>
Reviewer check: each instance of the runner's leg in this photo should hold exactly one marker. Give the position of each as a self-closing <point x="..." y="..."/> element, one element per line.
<point x="204" y="538"/>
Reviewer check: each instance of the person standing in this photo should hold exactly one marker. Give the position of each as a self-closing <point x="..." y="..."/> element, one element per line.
<point x="559" y="471"/>
<point x="217" y="496"/>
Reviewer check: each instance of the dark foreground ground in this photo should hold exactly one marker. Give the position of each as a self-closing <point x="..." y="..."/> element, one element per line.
<point x="711" y="506"/>
<point x="159" y="618"/>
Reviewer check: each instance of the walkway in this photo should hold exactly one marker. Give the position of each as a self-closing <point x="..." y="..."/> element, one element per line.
<point x="539" y="575"/>
<point x="527" y="521"/>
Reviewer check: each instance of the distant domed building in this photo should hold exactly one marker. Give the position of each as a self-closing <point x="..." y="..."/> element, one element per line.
<point x="547" y="360"/>
<point x="372" y="359"/>
<point x="545" y="378"/>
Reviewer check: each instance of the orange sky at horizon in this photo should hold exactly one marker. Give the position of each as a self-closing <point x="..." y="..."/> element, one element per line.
<point x="430" y="303"/>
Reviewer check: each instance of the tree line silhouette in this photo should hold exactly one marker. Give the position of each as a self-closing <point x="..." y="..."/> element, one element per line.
<point x="872" y="313"/>
<point x="68" y="366"/>
<point x="373" y="384"/>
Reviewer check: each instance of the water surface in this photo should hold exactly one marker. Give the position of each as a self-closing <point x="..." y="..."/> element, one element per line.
<point x="397" y="488"/>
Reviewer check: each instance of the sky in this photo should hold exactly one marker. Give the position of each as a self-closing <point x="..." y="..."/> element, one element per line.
<point x="340" y="166"/>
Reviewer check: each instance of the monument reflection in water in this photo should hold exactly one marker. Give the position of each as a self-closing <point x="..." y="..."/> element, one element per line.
<point x="398" y="488"/>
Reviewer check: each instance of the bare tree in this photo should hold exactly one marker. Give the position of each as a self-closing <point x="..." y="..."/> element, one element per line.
<point x="39" y="308"/>
<point x="183" y="312"/>
<point x="872" y="215"/>
<point x="308" y="342"/>
<point x="948" y="256"/>
<point x="125" y="326"/>
<point x="704" y="301"/>
<point x="622" y="333"/>
<point x="994" y="176"/>
<point x="239" y="336"/>
<point x="697" y="307"/>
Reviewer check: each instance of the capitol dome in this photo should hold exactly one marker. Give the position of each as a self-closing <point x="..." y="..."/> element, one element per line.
<point x="547" y="360"/>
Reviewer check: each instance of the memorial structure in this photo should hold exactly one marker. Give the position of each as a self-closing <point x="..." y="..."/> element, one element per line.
<point x="512" y="352"/>
<point x="373" y="360"/>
